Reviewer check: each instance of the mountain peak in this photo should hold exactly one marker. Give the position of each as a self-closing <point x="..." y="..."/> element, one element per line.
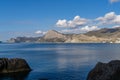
<point x="52" y="31"/>
<point x="53" y="34"/>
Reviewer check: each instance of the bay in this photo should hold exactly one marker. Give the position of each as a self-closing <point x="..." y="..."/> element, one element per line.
<point x="59" y="61"/>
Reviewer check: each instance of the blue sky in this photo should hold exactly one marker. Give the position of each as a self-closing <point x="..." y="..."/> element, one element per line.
<point x="35" y="17"/>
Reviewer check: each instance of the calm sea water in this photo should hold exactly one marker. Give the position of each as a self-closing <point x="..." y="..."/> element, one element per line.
<point x="59" y="61"/>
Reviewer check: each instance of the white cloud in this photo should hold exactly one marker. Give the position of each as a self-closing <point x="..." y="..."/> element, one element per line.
<point x="80" y="30"/>
<point x="89" y="28"/>
<point x="62" y="23"/>
<point x="40" y="32"/>
<point x="109" y="18"/>
<point x="77" y="21"/>
<point x="113" y="1"/>
<point x="116" y="26"/>
<point x="81" y="25"/>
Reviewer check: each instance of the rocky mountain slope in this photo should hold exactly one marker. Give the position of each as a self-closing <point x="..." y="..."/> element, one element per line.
<point x="52" y="36"/>
<point x="98" y="36"/>
<point x="105" y="33"/>
<point x="110" y="34"/>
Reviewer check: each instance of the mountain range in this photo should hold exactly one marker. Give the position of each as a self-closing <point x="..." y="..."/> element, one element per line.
<point x="105" y="35"/>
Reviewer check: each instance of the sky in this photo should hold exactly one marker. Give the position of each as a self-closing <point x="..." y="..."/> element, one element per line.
<point x="34" y="18"/>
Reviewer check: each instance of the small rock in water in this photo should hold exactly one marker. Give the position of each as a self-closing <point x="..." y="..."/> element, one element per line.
<point x="105" y="71"/>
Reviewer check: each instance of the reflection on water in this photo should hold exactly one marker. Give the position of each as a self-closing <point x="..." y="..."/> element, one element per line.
<point x="59" y="61"/>
<point x="14" y="76"/>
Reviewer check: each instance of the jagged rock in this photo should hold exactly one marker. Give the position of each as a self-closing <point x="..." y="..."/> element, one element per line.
<point x="105" y="71"/>
<point x="13" y="65"/>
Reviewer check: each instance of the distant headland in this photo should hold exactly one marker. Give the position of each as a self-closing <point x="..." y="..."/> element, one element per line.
<point x="104" y="35"/>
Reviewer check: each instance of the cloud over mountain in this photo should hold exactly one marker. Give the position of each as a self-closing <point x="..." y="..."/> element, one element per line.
<point x="77" y="21"/>
<point x="89" y="28"/>
<point x="109" y="18"/>
<point x="40" y="32"/>
<point x="80" y="30"/>
<point x="77" y="25"/>
<point x="80" y="25"/>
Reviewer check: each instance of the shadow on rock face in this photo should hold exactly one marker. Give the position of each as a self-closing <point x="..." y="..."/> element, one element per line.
<point x="14" y="76"/>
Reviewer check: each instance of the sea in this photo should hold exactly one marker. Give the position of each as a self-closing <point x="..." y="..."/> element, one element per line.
<point x="58" y="61"/>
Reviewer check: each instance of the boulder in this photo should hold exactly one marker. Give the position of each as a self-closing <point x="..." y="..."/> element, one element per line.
<point x="13" y="65"/>
<point x="105" y="71"/>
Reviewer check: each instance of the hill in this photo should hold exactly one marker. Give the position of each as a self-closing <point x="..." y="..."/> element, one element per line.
<point x="105" y="35"/>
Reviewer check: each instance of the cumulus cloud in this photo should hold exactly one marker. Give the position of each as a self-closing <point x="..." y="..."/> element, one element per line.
<point x="80" y="30"/>
<point x="62" y="23"/>
<point x="40" y="32"/>
<point x="113" y="1"/>
<point x="76" y="25"/>
<point x="77" y="21"/>
<point x="109" y="18"/>
<point x="80" y="25"/>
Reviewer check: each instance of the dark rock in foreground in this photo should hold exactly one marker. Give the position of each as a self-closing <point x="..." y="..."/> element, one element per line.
<point x="105" y="71"/>
<point x="13" y="65"/>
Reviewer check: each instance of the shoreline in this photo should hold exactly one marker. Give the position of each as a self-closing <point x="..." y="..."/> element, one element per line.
<point x="57" y="43"/>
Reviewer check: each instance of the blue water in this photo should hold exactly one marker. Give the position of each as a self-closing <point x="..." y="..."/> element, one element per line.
<point x="59" y="61"/>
